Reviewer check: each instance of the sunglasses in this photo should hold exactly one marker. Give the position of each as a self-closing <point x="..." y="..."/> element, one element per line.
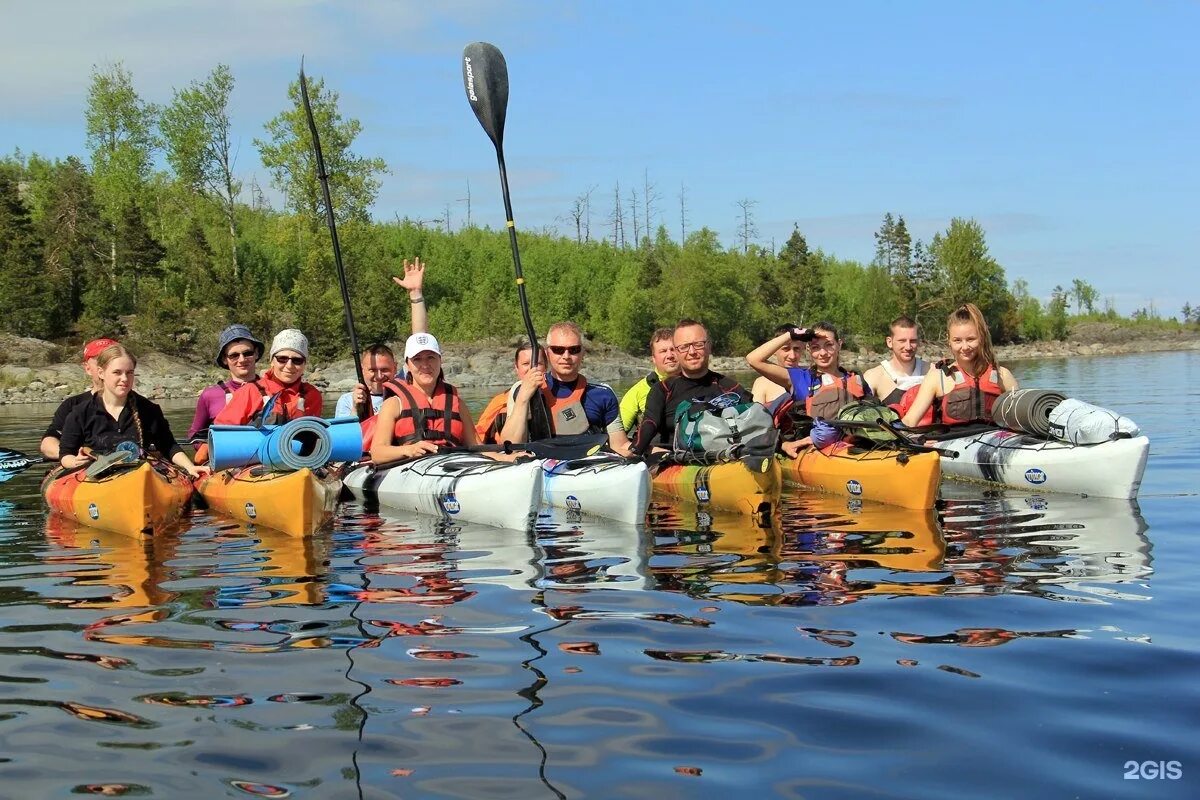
<point x="299" y="361"/>
<point x="559" y="349"/>
<point x="239" y="355"/>
<point x="685" y="348"/>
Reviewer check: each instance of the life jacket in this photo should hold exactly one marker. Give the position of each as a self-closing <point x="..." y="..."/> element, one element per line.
<point x="567" y="415"/>
<point x="491" y="421"/>
<point x="437" y="419"/>
<point x="972" y="397"/>
<point x="903" y="385"/>
<point x="822" y="399"/>
<point x="279" y="413"/>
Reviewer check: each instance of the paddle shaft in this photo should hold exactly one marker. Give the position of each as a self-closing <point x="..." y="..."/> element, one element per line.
<point x="364" y="408"/>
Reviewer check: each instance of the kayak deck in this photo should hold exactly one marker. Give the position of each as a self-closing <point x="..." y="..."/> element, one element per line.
<point x="899" y="478"/>
<point x="731" y="486"/>
<point x="133" y="500"/>
<point x="297" y="503"/>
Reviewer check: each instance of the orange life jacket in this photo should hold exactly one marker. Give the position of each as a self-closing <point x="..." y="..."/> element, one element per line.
<point x="491" y="421"/>
<point x="437" y="419"/>
<point x="972" y="397"/>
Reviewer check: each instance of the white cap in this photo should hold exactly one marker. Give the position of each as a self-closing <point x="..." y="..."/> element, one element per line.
<point x="290" y="339"/>
<point x="419" y="343"/>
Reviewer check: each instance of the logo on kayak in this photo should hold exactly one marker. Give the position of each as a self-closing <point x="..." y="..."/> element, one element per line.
<point x="93" y="511"/>
<point x="450" y="504"/>
<point x="251" y="511"/>
<point x="1035" y="476"/>
<point x="702" y="494"/>
<point x="854" y="487"/>
<point x="854" y="506"/>
<point x="573" y="503"/>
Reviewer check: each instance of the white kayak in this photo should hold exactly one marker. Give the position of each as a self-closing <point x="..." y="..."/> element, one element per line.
<point x="1108" y="469"/>
<point x="463" y="487"/>
<point x="605" y="486"/>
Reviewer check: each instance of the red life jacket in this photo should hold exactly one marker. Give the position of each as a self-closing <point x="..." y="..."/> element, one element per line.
<point x="905" y="401"/>
<point x="437" y="419"/>
<point x="822" y="399"/>
<point x="972" y="397"/>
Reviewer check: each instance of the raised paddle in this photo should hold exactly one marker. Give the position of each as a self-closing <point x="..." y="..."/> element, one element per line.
<point x="364" y="408"/>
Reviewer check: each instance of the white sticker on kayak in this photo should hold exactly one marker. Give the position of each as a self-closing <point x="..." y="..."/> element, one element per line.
<point x="854" y="487"/>
<point x="93" y="511"/>
<point x="251" y="511"/>
<point x="573" y="503"/>
<point x="1035" y="475"/>
<point x="450" y="504"/>
<point x="702" y="494"/>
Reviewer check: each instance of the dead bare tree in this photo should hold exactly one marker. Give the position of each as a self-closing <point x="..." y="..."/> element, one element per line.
<point x="683" y="218"/>
<point x="746" y="227"/>
<point x="633" y="215"/>
<point x="650" y="197"/>
<point x="467" y="200"/>
<point x="617" y="217"/>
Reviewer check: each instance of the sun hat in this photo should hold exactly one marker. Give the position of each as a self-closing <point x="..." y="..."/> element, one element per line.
<point x="290" y="339"/>
<point x="419" y="343"/>
<point x="97" y="346"/>
<point x="232" y="334"/>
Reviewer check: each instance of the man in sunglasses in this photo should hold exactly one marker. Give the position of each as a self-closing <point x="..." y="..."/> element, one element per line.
<point x="237" y="351"/>
<point x="570" y="404"/>
<point x="695" y="382"/>
<point x="282" y="380"/>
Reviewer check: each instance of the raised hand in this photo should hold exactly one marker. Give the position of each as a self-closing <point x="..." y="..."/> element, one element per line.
<point x="414" y="276"/>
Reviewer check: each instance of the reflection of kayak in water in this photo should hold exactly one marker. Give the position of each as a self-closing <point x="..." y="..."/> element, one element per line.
<point x="286" y="571"/>
<point x="823" y="550"/>
<point x="119" y="563"/>
<point x="1054" y="539"/>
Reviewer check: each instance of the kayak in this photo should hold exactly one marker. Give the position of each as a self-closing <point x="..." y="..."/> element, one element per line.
<point x="463" y="487"/>
<point x="731" y="486"/>
<point x="298" y="503"/>
<point x="896" y="477"/>
<point x="142" y="497"/>
<point x="605" y="486"/>
<point x="1108" y="469"/>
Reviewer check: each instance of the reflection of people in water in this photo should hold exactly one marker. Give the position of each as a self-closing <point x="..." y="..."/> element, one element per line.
<point x="980" y="637"/>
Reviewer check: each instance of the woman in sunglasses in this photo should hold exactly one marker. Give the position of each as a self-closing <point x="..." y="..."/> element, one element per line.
<point x="237" y="351"/>
<point x="818" y="391"/>
<point x="282" y="381"/>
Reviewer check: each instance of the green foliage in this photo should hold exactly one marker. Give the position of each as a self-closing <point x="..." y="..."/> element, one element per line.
<point x="971" y="275"/>
<point x="287" y="154"/>
<point x="27" y="296"/>
<point x="1057" y="316"/>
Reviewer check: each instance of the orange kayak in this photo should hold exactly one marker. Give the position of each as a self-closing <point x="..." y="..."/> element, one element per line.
<point x="909" y="480"/>
<point x="135" y="499"/>
<point x="297" y="503"/>
<point x="732" y="486"/>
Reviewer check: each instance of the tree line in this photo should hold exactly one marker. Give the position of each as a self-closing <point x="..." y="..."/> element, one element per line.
<point x="152" y="237"/>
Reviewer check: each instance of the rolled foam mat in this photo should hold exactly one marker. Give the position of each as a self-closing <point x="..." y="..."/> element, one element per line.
<point x="345" y="437"/>
<point x="298" y="444"/>
<point x="1026" y="410"/>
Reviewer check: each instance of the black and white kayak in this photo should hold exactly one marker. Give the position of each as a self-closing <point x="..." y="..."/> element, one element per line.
<point x="464" y="487"/>
<point x="603" y="485"/>
<point x="1108" y="469"/>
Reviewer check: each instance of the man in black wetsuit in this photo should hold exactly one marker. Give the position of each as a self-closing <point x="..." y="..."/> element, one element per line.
<point x="695" y="382"/>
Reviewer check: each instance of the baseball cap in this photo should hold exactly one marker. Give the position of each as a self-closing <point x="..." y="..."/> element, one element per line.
<point x="419" y="343"/>
<point x="97" y="346"/>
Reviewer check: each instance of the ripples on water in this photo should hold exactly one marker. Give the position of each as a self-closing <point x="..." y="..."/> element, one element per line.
<point x="1010" y="645"/>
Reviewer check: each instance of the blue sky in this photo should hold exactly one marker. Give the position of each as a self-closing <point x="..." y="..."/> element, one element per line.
<point x="1067" y="129"/>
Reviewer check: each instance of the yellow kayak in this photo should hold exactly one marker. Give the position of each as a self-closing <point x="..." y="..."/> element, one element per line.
<point x="134" y="499"/>
<point x="732" y="486"/>
<point x="899" y="478"/>
<point x="297" y="503"/>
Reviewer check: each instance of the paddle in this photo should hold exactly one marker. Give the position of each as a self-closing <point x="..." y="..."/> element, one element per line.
<point x="561" y="448"/>
<point x="485" y="78"/>
<point x="364" y="408"/>
<point x="14" y="462"/>
<point x="903" y="440"/>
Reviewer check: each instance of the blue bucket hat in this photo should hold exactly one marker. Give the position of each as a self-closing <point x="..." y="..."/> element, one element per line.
<point x="232" y="334"/>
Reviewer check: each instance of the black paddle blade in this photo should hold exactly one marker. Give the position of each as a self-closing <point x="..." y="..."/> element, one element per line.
<point x="14" y="462"/>
<point x="485" y="77"/>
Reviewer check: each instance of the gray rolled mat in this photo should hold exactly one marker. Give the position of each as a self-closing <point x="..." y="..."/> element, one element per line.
<point x="1026" y="410"/>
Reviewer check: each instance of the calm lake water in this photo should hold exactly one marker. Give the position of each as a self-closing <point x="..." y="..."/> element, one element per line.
<point x="1014" y="645"/>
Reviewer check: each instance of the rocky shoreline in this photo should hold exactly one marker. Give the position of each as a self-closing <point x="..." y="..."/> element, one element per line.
<point x="33" y="371"/>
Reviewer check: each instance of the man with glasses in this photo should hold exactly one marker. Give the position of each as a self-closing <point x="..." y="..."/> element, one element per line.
<point x="282" y="381"/>
<point x="695" y="382"/>
<point x="571" y="405"/>
<point x="237" y="351"/>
